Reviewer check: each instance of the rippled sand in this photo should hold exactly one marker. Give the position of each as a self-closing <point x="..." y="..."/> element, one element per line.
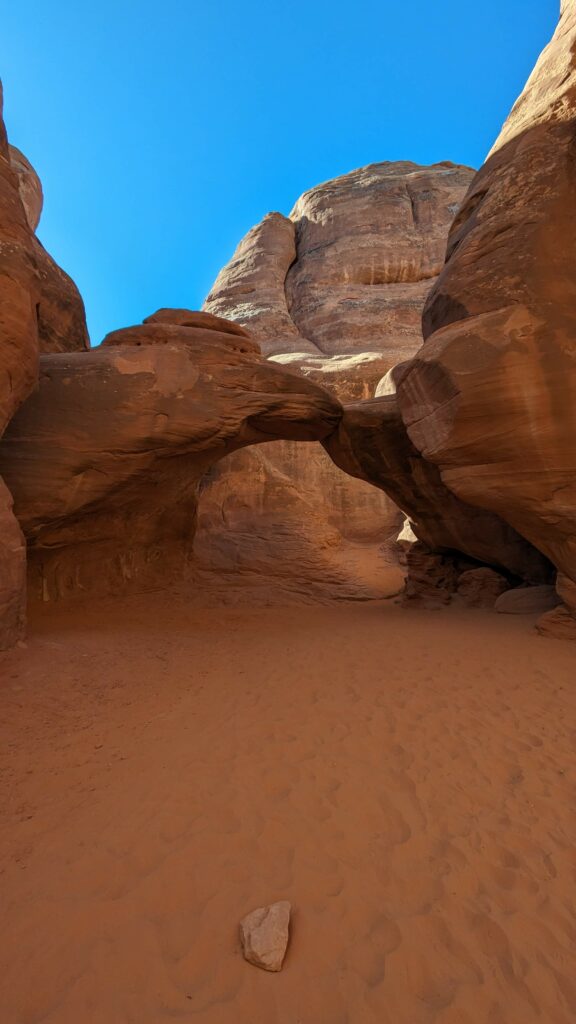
<point x="406" y="779"/>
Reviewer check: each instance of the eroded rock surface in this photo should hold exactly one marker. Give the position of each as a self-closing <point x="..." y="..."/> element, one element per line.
<point x="60" y="308"/>
<point x="336" y="291"/>
<point x="19" y="295"/>
<point x="19" y="292"/>
<point x="105" y="458"/>
<point x="337" y="288"/>
<point x="558" y="624"/>
<point x="480" y="588"/>
<point x="294" y="526"/>
<point x="371" y="442"/>
<point x="29" y="186"/>
<point x="491" y="397"/>
<point x="12" y="573"/>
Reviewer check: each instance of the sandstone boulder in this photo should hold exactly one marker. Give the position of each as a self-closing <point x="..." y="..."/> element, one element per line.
<point x="561" y="621"/>
<point x="527" y="600"/>
<point x="264" y="934"/>
<point x="558" y="624"/>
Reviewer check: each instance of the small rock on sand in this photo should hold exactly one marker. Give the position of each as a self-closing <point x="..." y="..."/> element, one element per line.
<point x="264" y="934"/>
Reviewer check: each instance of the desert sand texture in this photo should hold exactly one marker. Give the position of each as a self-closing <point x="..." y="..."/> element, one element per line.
<point x="404" y="778"/>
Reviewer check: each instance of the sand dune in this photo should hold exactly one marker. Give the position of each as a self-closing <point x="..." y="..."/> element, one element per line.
<point x="405" y="779"/>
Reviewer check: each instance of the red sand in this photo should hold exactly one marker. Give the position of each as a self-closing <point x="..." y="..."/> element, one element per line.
<point x="405" y="779"/>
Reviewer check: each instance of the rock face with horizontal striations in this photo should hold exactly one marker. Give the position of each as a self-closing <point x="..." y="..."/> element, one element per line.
<point x="491" y="397"/>
<point x="335" y="291"/>
<point x="337" y="288"/>
<point x="104" y="460"/>
<point x="369" y="245"/>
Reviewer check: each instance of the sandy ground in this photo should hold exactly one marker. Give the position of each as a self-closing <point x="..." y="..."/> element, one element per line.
<point x="405" y="778"/>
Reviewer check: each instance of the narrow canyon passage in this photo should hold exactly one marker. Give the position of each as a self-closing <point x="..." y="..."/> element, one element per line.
<point x="404" y="778"/>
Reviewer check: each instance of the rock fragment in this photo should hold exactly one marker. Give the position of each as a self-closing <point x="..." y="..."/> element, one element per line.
<point x="264" y="934"/>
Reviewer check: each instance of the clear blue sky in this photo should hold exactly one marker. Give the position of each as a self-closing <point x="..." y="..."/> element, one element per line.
<point x="163" y="131"/>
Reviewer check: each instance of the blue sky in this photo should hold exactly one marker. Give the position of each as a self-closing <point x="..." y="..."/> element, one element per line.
<point x="162" y="132"/>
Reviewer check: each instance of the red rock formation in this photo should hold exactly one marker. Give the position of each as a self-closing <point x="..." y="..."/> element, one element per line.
<point x="196" y="318"/>
<point x="12" y="573"/>
<point x="40" y="310"/>
<point x="60" y="309"/>
<point x="371" y="442"/>
<point x="480" y="588"/>
<point x="61" y="314"/>
<point x="104" y="460"/>
<point x="29" y="186"/>
<point x="337" y="288"/>
<point x="491" y="398"/>
<point x="336" y="291"/>
<point x="19" y="293"/>
<point x="527" y="600"/>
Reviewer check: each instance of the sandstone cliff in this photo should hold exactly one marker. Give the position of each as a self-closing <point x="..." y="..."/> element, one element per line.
<point x="19" y="294"/>
<point x="60" y="309"/>
<point x="475" y="435"/>
<point x="335" y="291"/>
<point x="337" y="288"/>
<point x="491" y="398"/>
<point x="40" y="310"/>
